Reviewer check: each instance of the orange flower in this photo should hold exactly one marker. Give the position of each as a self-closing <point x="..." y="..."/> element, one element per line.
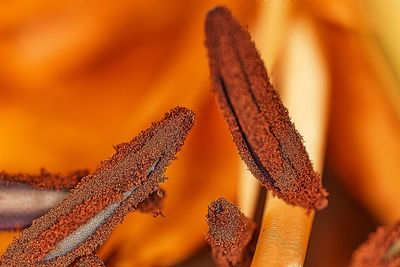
<point x="77" y="78"/>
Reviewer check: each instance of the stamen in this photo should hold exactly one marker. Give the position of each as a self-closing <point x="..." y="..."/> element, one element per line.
<point x="20" y="204"/>
<point x="85" y="218"/>
<point x="261" y="128"/>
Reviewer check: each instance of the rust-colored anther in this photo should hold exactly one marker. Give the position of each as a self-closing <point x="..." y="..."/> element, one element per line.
<point x="382" y="249"/>
<point x="85" y="218"/>
<point x="259" y="123"/>
<point x="231" y="235"/>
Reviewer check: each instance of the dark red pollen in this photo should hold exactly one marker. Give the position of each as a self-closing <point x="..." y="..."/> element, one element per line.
<point x="231" y="235"/>
<point x="45" y="179"/>
<point x="380" y="249"/>
<point x="259" y="123"/>
<point x="89" y="260"/>
<point x="88" y="214"/>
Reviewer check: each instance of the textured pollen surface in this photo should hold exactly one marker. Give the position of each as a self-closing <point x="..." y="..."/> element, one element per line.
<point x="90" y="260"/>
<point x="153" y="203"/>
<point x="381" y="249"/>
<point x="259" y="123"/>
<point x="45" y="180"/>
<point x="231" y="235"/>
<point x="101" y="200"/>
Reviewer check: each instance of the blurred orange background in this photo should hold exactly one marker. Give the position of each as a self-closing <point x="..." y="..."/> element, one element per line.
<point x="78" y="78"/>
